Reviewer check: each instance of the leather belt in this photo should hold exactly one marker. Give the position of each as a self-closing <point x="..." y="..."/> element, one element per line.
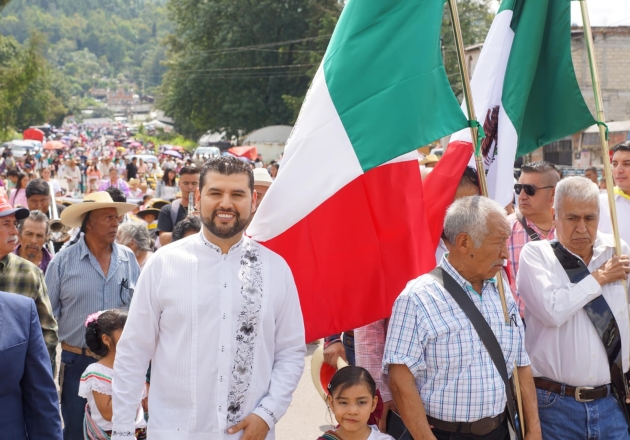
<point x="580" y="394"/>
<point x="81" y="351"/>
<point x="480" y="427"/>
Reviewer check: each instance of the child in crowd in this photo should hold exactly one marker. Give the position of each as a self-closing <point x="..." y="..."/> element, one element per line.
<point x="102" y="332"/>
<point x="352" y="398"/>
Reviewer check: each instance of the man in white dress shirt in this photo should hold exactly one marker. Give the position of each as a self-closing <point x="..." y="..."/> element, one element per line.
<point x="621" y="176"/>
<point x="569" y="361"/>
<point x="219" y="318"/>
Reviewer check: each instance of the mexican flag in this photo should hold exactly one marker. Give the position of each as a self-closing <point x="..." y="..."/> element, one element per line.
<point x="524" y="87"/>
<point x="346" y="211"/>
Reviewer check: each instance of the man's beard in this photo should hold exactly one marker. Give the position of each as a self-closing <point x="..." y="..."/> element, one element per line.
<point x="239" y="225"/>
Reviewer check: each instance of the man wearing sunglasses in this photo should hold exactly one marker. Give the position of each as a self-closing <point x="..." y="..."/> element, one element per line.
<point x="621" y="176"/>
<point x="533" y="219"/>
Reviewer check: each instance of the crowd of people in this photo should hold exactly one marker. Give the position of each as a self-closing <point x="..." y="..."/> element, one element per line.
<point x="204" y="338"/>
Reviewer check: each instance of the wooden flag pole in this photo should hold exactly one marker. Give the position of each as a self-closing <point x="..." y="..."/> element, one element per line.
<point x="599" y="108"/>
<point x="463" y="71"/>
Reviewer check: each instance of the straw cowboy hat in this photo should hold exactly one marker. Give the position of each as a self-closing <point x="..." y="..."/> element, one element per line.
<point x="144" y="212"/>
<point x="74" y="215"/>
<point x="431" y="158"/>
<point x="322" y="373"/>
<point x="262" y="177"/>
<point x="158" y="203"/>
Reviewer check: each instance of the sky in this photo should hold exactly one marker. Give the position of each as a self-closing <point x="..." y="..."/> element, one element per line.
<point x="601" y="12"/>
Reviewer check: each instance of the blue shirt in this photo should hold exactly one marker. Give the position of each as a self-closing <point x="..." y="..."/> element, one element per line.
<point x="77" y="287"/>
<point x="430" y="334"/>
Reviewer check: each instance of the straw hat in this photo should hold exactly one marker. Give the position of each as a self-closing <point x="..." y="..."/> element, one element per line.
<point x="158" y="203"/>
<point x="262" y="177"/>
<point x="144" y="212"/>
<point x="431" y="158"/>
<point x="73" y="215"/>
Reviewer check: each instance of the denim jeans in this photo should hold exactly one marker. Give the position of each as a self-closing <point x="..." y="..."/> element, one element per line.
<point x="348" y="345"/>
<point x="72" y="406"/>
<point x="564" y="418"/>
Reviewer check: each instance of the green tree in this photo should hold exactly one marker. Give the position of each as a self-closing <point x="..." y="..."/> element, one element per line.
<point x="226" y="68"/>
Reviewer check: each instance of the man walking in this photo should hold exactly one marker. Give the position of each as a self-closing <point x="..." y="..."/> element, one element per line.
<point x="621" y="176"/>
<point x="532" y="220"/>
<point x="92" y="275"/>
<point x="219" y="318"/>
<point x="573" y="294"/>
<point x="442" y="377"/>
<point x="20" y="276"/>
<point x="28" y="396"/>
<point x="32" y="234"/>
<point x="177" y="211"/>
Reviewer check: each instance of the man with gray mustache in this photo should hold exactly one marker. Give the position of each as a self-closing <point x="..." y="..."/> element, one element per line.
<point x="20" y="276"/>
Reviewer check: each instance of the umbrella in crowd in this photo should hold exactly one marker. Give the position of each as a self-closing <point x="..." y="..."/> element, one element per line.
<point x="53" y="145"/>
<point x="173" y="153"/>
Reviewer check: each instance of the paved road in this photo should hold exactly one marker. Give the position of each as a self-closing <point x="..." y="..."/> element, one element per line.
<point x="307" y="417"/>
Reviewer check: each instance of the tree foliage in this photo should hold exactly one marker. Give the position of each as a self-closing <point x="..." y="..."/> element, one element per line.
<point x="232" y="61"/>
<point x="95" y="43"/>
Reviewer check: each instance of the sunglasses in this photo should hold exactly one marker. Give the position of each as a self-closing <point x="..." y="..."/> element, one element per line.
<point x="530" y="190"/>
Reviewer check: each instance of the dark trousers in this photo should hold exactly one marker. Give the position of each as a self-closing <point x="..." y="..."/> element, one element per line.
<point x="348" y="345"/>
<point x="501" y="433"/>
<point x="72" y="406"/>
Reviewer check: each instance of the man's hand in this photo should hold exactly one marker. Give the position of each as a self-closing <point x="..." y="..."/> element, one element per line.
<point x="332" y="352"/>
<point x="253" y="427"/>
<point x="615" y="269"/>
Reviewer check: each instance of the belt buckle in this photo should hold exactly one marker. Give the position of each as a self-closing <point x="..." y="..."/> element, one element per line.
<point x="577" y="394"/>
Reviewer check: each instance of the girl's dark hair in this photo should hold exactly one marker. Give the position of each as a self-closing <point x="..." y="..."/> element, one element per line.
<point x="166" y="179"/>
<point x="350" y="376"/>
<point x="106" y="324"/>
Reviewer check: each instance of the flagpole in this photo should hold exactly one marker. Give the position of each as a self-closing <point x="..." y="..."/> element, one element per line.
<point x="599" y="107"/>
<point x="463" y="71"/>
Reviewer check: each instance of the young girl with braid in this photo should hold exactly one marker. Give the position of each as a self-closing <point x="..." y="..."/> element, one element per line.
<point x="102" y="331"/>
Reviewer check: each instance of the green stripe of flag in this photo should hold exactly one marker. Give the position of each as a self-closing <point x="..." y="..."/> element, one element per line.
<point x="384" y="73"/>
<point x="541" y="95"/>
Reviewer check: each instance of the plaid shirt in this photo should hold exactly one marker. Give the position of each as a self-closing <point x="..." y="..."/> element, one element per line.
<point x="369" y="343"/>
<point x="430" y="334"/>
<point x="23" y="277"/>
<point x="518" y="239"/>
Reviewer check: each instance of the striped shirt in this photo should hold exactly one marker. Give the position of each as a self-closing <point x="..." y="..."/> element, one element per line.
<point x="77" y="287"/>
<point x="432" y="336"/>
<point x="517" y="240"/>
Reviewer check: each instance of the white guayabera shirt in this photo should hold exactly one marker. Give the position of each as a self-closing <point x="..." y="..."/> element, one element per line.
<point x="225" y="337"/>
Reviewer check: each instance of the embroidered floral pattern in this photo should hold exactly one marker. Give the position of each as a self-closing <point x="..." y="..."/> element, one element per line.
<point x="270" y="412"/>
<point x="250" y="276"/>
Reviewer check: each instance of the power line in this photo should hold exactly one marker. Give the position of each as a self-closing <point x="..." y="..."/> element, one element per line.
<point x="284" y="66"/>
<point x="259" y="46"/>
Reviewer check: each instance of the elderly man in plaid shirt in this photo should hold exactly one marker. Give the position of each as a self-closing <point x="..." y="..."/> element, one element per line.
<point x="440" y="373"/>
<point x="535" y="191"/>
<point x="20" y="276"/>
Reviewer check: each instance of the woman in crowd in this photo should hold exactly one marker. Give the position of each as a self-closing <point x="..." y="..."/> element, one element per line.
<point x="17" y="196"/>
<point x="167" y="187"/>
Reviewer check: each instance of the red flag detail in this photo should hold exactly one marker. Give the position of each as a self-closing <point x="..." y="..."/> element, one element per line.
<point x="353" y="255"/>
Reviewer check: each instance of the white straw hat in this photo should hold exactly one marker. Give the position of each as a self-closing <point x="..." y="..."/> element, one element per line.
<point x="73" y="215"/>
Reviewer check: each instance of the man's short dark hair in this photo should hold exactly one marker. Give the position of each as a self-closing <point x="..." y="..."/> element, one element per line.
<point x="542" y="166"/>
<point x="13" y="172"/>
<point x="189" y="170"/>
<point x="227" y="165"/>
<point x="190" y="223"/>
<point x="470" y="177"/>
<point x="116" y="194"/>
<point x="624" y="146"/>
<point x="37" y="187"/>
<point x="591" y="169"/>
